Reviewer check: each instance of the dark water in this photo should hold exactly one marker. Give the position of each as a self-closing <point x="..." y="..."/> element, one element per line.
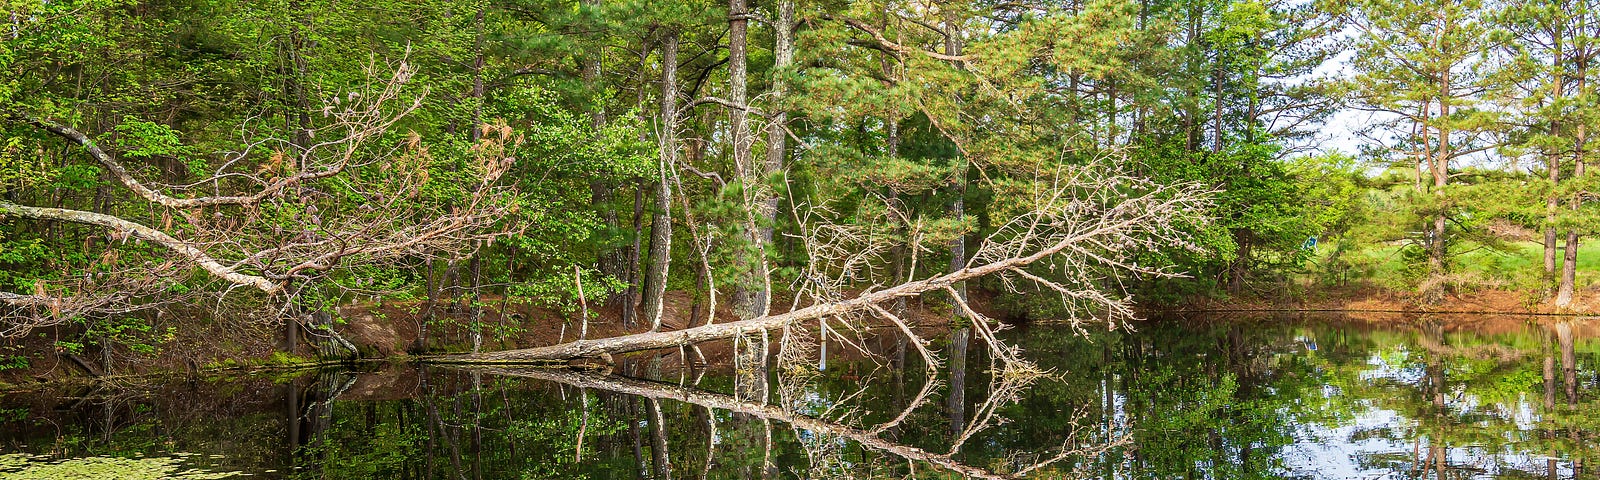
<point x="1444" y="397"/>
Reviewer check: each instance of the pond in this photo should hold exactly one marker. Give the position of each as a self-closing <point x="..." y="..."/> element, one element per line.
<point x="1201" y="397"/>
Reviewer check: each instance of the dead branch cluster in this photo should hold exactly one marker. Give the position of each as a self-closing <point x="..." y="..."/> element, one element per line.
<point x="281" y="214"/>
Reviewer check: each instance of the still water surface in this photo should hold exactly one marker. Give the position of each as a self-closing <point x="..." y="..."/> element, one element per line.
<point x="1286" y="397"/>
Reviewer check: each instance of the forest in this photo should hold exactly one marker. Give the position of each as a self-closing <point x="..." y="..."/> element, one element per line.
<point x="173" y="171"/>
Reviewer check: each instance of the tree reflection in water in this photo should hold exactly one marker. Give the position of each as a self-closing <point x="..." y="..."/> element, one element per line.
<point x="1437" y="397"/>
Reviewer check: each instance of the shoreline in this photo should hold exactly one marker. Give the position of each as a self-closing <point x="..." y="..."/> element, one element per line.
<point x="386" y="333"/>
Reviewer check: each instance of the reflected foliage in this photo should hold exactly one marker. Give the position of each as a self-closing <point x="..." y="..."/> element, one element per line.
<point x="1435" y="397"/>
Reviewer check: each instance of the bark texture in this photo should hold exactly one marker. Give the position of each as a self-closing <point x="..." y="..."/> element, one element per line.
<point x="661" y="223"/>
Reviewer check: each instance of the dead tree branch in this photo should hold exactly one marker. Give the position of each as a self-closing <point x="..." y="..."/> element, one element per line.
<point x="1095" y="215"/>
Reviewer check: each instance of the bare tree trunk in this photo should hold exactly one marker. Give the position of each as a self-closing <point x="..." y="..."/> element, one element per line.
<point x="211" y="265"/>
<point x="749" y="265"/>
<point x="1569" y="267"/>
<point x="1439" y="166"/>
<point x="661" y="224"/>
<point x="777" y="140"/>
<point x="1553" y="158"/>
<point x="1067" y="228"/>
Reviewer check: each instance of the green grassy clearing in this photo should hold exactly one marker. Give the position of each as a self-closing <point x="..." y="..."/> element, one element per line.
<point x="1519" y="266"/>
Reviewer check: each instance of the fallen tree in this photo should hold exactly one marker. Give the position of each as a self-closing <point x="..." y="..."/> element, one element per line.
<point x="1081" y="232"/>
<point x="1088" y="224"/>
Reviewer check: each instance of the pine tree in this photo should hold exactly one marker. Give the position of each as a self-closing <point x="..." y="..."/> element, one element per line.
<point x="1427" y="64"/>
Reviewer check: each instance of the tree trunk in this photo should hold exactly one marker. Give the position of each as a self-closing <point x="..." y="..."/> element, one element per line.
<point x="1569" y="360"/>
<point x="777" y="141"/>
<point x="184" y="249"/>
<point x="432" y="287"/>
<point x="1440" y="167"/>
<point x="475" y="310"/>
<point x="630" y="301"/>
<point x="638" y="438"/>
<point x="1553" y="158"/>
<point x="745" y="284"/>
<point x="1569" y="266"/>
<point x="1241" y="263"/>
<point x="661" y="223"/>
<point x="1216" y="107"/>
<point x="956" y="402"/>
<point x="901" y="255"/>
<point x="1192" y="124"/>
<point x="960" y="336"/>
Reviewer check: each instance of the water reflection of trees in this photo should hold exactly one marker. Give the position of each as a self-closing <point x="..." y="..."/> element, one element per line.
<point x="543" y="423"/>
<point x="1471" y="403"/>
<point x="1223" y="400"/>
<point x="1242" y="399"/>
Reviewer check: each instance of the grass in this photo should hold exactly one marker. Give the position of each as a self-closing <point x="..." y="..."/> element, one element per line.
<point x="1521" y="266"/>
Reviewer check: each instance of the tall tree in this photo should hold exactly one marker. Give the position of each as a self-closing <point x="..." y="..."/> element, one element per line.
<point x="1427" y="64"/>
<point x="766" y="200"/>
<point x="1553" y="48"/>
<point x="661" y="222"/>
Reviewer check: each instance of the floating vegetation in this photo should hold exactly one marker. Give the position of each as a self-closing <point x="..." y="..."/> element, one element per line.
<point x="30" y="467"/>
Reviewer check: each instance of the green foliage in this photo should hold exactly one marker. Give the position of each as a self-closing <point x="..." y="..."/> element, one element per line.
<point x="892" y="121"/>
<point x="26" y="467"/>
